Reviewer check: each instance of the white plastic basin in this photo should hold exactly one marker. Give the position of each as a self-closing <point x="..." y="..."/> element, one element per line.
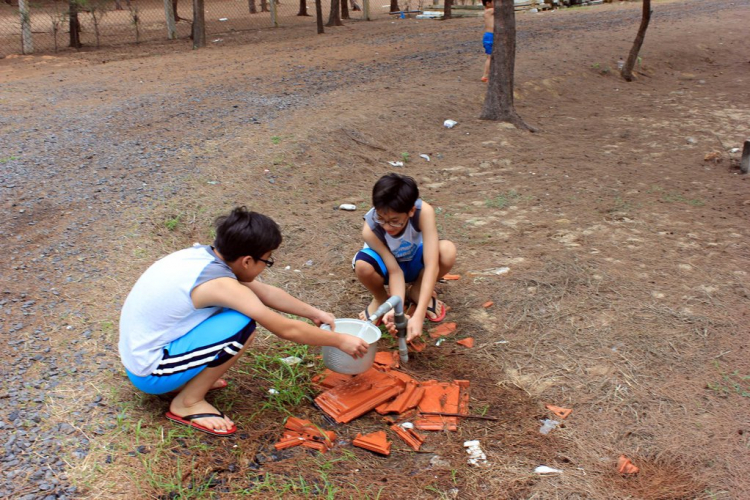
<point x="339" y="361"/>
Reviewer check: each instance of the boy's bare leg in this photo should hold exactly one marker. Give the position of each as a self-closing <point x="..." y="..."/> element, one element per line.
<point x="486" y="75"/>
<point x="447" y="258"/>
<point x="191" y="399"/>
<point x="374" y="283"/>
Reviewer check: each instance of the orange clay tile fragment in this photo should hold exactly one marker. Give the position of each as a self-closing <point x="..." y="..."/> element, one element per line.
<point x="298" y="432"/>
<point x="386" y="360"/>
<point x="467" y="342"/>
<point x="358" y="396"/>
<point x="410" y="436"/>
<point x="487" y="304"/>
<point x="560" y="412"/>
<point x="625" y="466"/>
<point x="443" y="397"/>
<point x="375" y="441"/>
<point x="406" y="400"/>
<point x="418" y="344"/>
<point x="452" y="277"/>
<point x="330" y="379"/>
<point x="442" y="330"/>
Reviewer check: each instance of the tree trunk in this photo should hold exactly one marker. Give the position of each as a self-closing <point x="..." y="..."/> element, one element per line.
<point x="319" y="17"/>
<point x="334" y="19"/>
<point x="199" y="24"/>
<point x="302" y="8"/>
<point x="264" y="5"/>
<point x="252" y="7"/>
<point x="344" y="10"/>
<point x="447" y="9"/>
<point x="177" y="18"/>
<point x="498" y="103"/>
<point x="394" y="6"/>
<point x="74" y="24"/>
<point x="627" y="69"/>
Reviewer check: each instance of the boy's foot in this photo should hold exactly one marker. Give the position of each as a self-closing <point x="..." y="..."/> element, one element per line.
<point x="202" y="416"/>
<point x="364" y="315"/>
<point x="485" y="79"/>
<point x="436" y="311"/>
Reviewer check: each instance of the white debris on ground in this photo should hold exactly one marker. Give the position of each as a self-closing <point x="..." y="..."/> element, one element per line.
<point x="476" y="455"/>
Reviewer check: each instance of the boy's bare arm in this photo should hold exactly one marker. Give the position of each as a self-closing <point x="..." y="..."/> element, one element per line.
<point x="229" y="293"/>
<point x="280" y="300"/>
<point x="430" y="255"/>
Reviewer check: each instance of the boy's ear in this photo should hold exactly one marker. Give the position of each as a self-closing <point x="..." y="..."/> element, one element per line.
<point x="412" y="211"/>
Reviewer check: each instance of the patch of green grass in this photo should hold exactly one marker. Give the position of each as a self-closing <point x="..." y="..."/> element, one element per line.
<point x="502" y="200"/>
<point x="276" y="139"/>
<point x="674" y="197"/>
<point x="172" y="223"/>
<point x="730" y="383"/>
<point x="405" y="158"/>
<point x="278" y="486"/>
<point x="8" y="159"/>
<point x="602" y="70"/>
<point x="172" y="483"/>
<point x="290" y="383"/>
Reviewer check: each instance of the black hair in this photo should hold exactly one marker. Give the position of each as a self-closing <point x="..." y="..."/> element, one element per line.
<point x="396" y="192"/>
<point x="485" y="2"/>
<point x="243" y="232"/>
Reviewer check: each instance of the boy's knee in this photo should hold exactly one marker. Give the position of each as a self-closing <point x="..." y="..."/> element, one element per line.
<point x="447" y="251"/>
<point x="364" y="270"/>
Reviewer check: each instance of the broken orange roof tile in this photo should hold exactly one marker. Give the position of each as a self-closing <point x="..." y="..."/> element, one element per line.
<point x="417" y="344"/>
<point x="452" y="277"/>
<point x="441" y="330"/>
<point x="359" y="395"/>
<point x="443" y="397"/>
<point x="487" y="304"/>
<point x="375" y="441"/>
<point x="560" y="412"/>
<point x="330" y="379"/>
<point x="467" y="342"/>
<point x="405" y="401"/>
<point x="410" y="436"/>
<point x="289" y="442"/>
<point x="386" y="360"/>
<point x="625" y="466"/>
<point x="308" y="430"/>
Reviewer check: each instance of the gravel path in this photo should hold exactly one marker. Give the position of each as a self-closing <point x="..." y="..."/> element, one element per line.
<point x="71" y="165"/>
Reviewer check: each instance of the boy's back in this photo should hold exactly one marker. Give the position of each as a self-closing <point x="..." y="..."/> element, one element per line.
<point x="489" y="19"/>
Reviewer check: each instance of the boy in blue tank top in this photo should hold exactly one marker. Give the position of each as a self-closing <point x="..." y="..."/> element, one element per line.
<point x="402" y="248"/>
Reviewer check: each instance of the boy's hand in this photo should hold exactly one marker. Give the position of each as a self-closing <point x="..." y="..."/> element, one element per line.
<point x="353" y="346"/>
<point x="323" y="318"/>
<point x="414" y="328"/>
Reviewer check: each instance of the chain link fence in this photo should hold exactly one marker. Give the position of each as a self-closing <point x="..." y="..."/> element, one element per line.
<point x="43" y="26"/>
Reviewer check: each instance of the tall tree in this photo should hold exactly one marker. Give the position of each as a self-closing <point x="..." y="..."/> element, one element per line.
<point x="627" y="69"/>
<point x="319" y="17"/>
<point x="302" y="8"/>
<point x="498" y="102"/>
<point x="394" y="6"/>
<point x="199" y="24"/>
<point x="74" y="24"/>
<point x="447" y="9"/>
<point x="344" y="10"/>
<point x="334" y="18"/>
<point x="251" y="7"/>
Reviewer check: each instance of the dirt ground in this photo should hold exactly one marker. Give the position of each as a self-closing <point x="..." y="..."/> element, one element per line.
<point x="623" y="222"/>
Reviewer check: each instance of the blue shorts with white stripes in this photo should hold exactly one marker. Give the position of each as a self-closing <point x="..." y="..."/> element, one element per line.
<point x="211" y="343"/>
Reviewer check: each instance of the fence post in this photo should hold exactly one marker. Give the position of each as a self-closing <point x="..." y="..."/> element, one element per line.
<point x="169" y="14"/>
<point x="27" y="42"/>
<point x="274" y="19"/>
<point x="199" y="24"/>
<point x="366" y="8"/>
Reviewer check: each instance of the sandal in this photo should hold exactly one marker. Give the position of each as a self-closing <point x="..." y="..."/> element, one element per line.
<point x="366" y="314"/>
<point x="433" y="309"/>
<point x="188" y="421"/>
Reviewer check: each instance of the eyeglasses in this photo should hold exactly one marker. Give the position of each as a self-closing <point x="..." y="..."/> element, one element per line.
<point x="394" y="225"/>
<point x="267" y="262"/>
